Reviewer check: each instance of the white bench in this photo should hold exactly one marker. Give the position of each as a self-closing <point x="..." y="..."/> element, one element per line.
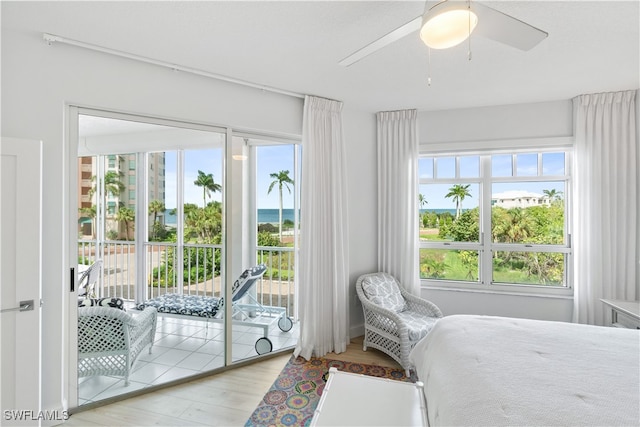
<point x="360" y="400"/>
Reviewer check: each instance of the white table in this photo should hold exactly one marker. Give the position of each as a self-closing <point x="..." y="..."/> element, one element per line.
<point x="360" y="400"/>
<point x="624" y="314"/>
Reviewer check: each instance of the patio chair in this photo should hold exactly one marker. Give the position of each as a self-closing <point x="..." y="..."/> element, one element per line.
<point x="394" y="320"/>
<point x="110" y="339"/>
<point x="88" y="279"/>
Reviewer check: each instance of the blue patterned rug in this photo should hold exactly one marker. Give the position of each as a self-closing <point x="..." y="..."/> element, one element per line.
<point x="294" y="396"/>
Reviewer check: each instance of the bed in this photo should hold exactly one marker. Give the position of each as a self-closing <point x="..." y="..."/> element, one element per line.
<point x="482" y="370"/>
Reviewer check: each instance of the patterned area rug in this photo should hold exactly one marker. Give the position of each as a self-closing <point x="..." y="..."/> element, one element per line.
<point x="295" y="394"/>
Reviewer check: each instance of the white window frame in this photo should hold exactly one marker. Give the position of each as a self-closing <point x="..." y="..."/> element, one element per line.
<point x="485" y="246"/>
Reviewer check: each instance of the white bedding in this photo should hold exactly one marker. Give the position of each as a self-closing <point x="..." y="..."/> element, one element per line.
<point x="481" y="370"/>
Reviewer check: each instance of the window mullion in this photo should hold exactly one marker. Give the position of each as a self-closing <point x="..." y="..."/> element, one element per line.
<point x="179" y="251"/>
<point x="485" y="215"/>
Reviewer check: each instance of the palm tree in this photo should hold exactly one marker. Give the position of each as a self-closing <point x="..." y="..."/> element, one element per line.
<point x="156" y="207"/>
<point x="112" y="184"/>
<point x="458" y="192"/>
<point x="520" y="225"/>
<point x="208" y="185"/>
<point x="421" y="201"/>
<point x="283" y="180"/>
<point x="90" y="212"/>
<point x="552" y="194"/>
<point x="126" y="215"/>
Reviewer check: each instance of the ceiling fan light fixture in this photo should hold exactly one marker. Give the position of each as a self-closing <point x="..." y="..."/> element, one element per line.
<point x="447" y="24"/>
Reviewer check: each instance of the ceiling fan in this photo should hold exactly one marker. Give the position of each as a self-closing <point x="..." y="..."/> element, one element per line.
<point x="449" y="22"/>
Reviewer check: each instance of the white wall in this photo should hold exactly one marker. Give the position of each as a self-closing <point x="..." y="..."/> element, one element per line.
<point x="521" y="121"/>
<point x="501" y="124"/>
<point x="39" y="80"/>
<point x="360" y="137"/>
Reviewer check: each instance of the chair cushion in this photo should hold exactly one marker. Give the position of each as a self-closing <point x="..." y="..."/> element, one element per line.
<point x="194" y="305"/>
<point x="102" y="302"/>
<point x="246" y="281"/>
<point x="418" y="325"/>
<point x="382" y="289"/>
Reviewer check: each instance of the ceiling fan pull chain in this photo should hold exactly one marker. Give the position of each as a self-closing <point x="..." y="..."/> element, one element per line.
<point x="429" y="67"/>
<point x="469" y="37"/>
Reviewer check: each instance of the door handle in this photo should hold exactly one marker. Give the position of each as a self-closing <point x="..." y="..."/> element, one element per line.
<point x="24" y="306"/>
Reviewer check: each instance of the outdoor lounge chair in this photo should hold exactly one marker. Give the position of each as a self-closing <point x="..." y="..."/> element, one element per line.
<point x="247" y="310"/>
<point x="394" y="320"/>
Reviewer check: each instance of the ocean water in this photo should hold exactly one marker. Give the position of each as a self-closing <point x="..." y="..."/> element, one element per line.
<point x="271" y="215"/>
<point x="441" y="211"/>
<point x="264" y="215"/>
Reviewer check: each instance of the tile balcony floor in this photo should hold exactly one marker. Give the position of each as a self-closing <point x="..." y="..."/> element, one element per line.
<point x="183" y="346"/>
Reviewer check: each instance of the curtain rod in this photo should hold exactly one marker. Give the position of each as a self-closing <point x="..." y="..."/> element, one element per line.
<point x="51" y="38"/>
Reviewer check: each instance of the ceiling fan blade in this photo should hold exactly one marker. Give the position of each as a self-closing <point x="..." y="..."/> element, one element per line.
<point x="393" y="36"/>
<point x="506" y="29"/>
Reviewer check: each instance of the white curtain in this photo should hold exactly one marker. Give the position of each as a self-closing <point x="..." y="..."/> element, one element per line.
<point x="398" y="251"/>
<point x="605" y="197"/>
<point x="324" y="252"/>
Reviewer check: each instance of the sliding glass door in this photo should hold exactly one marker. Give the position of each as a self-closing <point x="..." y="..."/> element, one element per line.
<point x="183" y="218"/>
<point x="265" y="309"/>
<point x="152" y="220"/>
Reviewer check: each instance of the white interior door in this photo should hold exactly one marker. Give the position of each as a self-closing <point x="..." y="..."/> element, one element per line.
<point x="20" y="280"/>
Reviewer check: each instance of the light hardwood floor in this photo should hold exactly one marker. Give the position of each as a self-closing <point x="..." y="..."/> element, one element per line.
<point x="225" y="399"/>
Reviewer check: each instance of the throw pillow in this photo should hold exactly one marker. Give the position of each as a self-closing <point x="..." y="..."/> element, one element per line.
<point x="383" y="290"/>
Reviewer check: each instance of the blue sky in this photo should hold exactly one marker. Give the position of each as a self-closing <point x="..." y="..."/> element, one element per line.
<point x="271" y="159"/>
<point x="527" y="166"/>
<point x="208" y="161"/>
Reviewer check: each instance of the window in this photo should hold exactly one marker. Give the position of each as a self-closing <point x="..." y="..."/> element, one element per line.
<point x="495" y="220"/>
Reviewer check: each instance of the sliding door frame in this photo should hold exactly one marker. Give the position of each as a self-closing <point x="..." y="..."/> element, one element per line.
<point x="70" y="245"/>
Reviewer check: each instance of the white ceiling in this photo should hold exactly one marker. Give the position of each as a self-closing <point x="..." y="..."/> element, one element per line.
<point x="296" y="46"/>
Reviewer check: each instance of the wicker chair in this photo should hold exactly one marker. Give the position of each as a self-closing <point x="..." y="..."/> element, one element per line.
<point x="110" y="339"/>
<point x="394" y="320"/>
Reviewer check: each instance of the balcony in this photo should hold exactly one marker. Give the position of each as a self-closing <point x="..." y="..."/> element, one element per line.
<point x="201" y="271"/>
<point x="197" y="342"/>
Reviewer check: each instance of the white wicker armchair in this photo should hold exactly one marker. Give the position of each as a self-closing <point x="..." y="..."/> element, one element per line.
<point x="394" y="320"/>
<point x="110" y="340"/>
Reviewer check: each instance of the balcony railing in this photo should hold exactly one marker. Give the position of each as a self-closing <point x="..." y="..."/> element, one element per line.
<point x="200" y="271"/>
<point x="277" y="287"/>
<point x="118" y="267"/>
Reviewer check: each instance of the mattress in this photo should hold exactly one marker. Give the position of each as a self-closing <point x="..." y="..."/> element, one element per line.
<point x="482" y="370"/>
